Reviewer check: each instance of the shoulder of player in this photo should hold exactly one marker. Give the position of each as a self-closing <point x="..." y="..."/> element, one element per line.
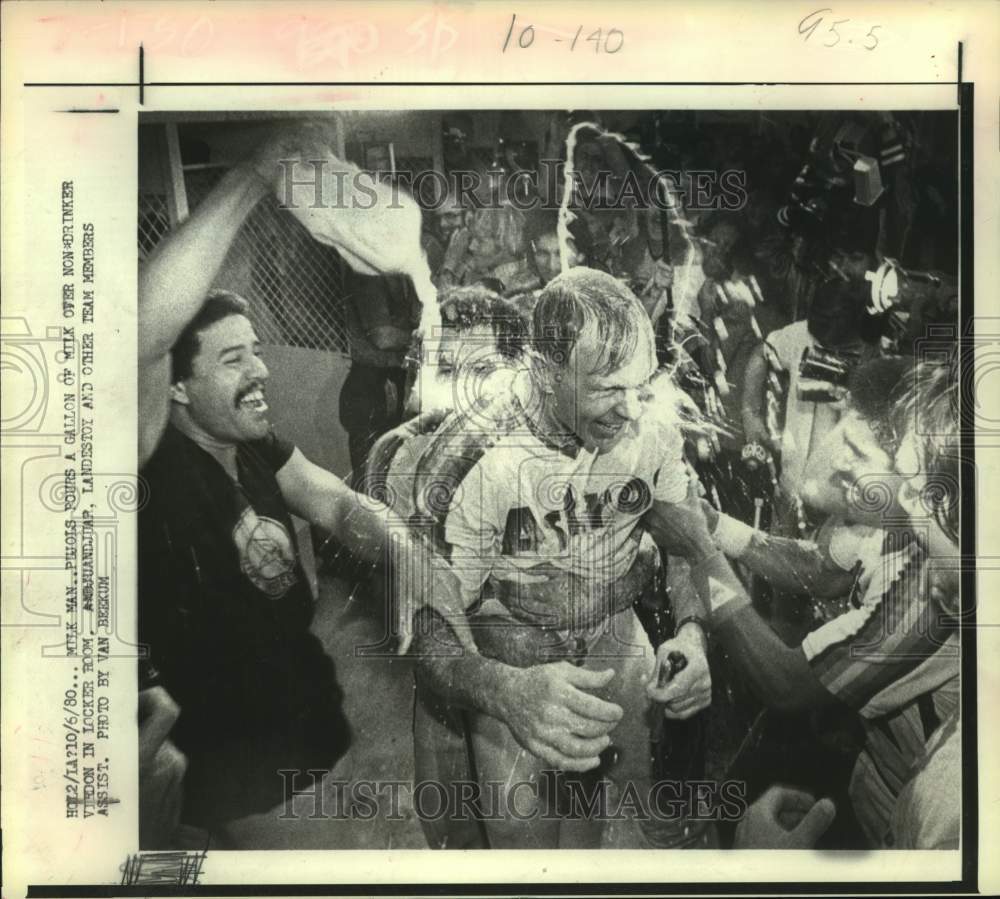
<point x="175" y="448"/>
<point x="489" y="462"/>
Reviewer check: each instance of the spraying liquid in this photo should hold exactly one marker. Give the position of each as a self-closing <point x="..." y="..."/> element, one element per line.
<point x="686" y="262"/>
<point x="374" y="226"/>
<point x="666" y="405"/>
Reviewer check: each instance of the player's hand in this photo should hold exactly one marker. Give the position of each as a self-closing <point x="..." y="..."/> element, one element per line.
<point x="291" y="145"/>
<point x="784" y="818"/>
<point x="681" y="528"/>
<point x="551" y="714"/>
<point x="690" y="690"/>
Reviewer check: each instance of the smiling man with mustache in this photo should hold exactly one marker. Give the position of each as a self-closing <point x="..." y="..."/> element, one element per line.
<point x="224" y="605"/>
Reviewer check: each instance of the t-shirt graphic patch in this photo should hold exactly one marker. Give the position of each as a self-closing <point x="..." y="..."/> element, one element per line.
<point x="266" y="555"/>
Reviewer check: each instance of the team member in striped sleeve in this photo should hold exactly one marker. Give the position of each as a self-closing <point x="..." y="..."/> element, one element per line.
<point x="896" y="658"/>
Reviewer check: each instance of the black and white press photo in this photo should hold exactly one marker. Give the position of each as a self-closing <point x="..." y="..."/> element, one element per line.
<point x="551" y="478"/>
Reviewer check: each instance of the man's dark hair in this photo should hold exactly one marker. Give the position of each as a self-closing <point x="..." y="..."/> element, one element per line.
<point x="463" y="308"/>
<point x="539" y="223"/>
<point x="837" y="314"/>
<point x="219" y="304"/>
<point x="586" y="299"/>
<point x="873" y="389"/>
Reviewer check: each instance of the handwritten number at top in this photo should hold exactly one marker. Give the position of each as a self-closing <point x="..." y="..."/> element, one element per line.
<point x="809" y="24"/>
<point x="871" y="34"/>
<point x="610" y="41"/>
<point x="808" y="30"/>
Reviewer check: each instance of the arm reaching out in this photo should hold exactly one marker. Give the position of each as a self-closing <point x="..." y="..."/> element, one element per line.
<point x="176" y="278"/>
<point x="780" y="675"/>
<point x="794" y="565"/>
<point x="375" y="533"/>
<point x="173" y="284"/>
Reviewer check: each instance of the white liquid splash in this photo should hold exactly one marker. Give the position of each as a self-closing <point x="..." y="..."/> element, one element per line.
<point x="373" y="225"/>
<point x="687" y="274"/>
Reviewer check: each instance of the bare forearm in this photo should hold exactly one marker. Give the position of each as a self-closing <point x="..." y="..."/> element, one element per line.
<point x="360" y="524"/>
<point x="778" y="674"/>
<point x="173" y="282"/>
<point x="684" y="601"/>
<point x="795" y="565"/>
<point x="754" y="380"/>
<point x="373" y="531"/>
<point x="464" y="679"/>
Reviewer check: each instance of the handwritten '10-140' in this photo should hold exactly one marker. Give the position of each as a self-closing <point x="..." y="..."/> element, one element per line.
<point x="521" y="37"/>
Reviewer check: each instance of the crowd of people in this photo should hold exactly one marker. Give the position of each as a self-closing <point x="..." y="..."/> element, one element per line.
<point x="654" y="488"/>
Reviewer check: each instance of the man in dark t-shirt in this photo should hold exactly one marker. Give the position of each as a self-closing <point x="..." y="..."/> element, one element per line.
<point x="224" y="609"/>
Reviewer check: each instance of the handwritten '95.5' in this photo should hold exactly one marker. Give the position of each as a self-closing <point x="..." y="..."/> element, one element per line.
<point x="521" y="37"/>
<point x="835" y="30"/>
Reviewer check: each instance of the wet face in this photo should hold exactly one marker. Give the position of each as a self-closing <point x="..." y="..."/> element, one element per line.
<point x="224" y="396"/>
<point x="851" y="474"/>
<point x="862" y="469"/>
<point x="545" y="254"/>
<point x="458" y="370"/>
<point x="599" y="408"/>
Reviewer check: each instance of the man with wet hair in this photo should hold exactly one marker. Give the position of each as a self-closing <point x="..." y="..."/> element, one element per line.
<point x="480" y="333"/>
<point x="470" y="369"/>
<point x="542" y="521"/>
<point x="470" y="366"/>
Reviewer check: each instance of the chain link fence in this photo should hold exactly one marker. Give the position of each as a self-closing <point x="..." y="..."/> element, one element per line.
<point x="154" y="221"/>
<point x="292" y="282"/>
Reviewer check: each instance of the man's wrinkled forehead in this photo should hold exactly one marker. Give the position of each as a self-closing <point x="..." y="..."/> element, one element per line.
<point x="590" y="356"/>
